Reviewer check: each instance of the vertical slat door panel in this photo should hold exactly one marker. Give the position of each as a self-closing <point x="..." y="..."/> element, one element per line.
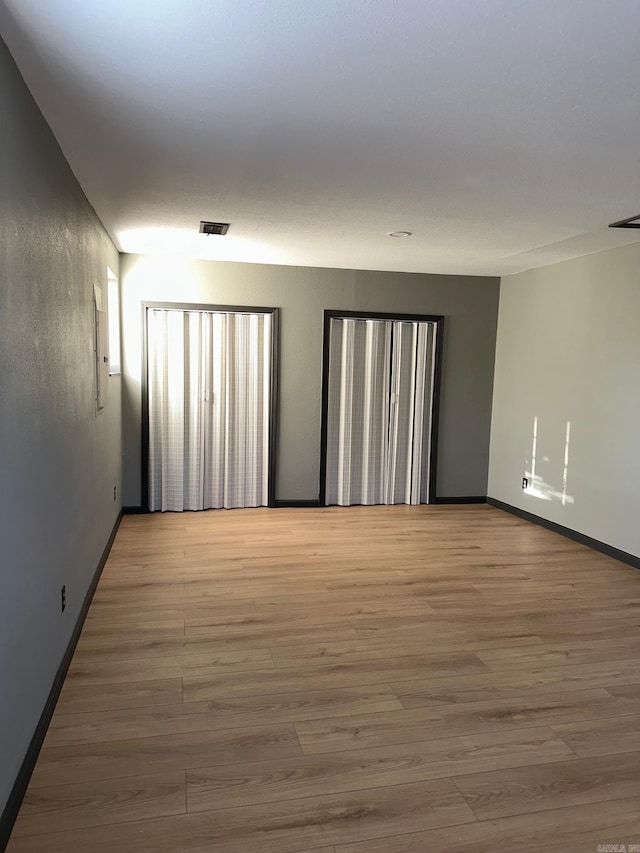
<point x="379" y="412"/>
<point x="209" y="390"/>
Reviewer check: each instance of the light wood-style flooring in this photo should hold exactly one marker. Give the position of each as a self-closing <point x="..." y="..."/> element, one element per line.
<point x="362" y="680"/>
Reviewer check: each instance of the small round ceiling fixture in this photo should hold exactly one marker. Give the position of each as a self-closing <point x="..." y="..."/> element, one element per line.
<point x="400" y="234"/>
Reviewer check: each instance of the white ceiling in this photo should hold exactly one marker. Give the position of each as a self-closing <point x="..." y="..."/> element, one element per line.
<point x="502" y="133"/>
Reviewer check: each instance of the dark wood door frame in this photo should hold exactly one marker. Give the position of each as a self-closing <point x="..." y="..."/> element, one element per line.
<point x="438" y="321"/>
<point x="273" y="401"/>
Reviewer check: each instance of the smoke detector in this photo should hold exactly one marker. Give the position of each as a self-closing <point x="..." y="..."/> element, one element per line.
<point x="208" y="228"/>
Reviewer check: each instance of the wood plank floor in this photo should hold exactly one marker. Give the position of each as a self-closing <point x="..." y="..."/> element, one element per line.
<point x="362" y="680"/>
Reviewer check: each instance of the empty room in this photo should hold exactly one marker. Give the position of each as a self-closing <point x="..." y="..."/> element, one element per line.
<point x="319" y="424"/>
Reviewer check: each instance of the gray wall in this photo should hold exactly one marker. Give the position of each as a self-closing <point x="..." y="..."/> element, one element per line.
<point x="568" y="350"/>
<point x="58" y="461"/>
<point x="470" y="307"/>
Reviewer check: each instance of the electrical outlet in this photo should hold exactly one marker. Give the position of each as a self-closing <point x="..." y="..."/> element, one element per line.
<point x="115" y="492"/>
<point x="63" y="597"/>
<point x="525" y="483"/>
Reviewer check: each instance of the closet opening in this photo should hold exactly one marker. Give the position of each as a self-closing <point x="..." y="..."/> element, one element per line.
<point x="380" y="392"/>
<point x="209" y="406"/>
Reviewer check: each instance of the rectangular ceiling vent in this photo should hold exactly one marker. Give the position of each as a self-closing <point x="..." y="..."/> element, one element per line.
<point x="214" y="227"/>
<point x="631" y="222"/>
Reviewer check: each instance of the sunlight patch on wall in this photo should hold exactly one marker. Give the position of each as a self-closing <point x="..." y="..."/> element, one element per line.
<point x="537" y="487"/>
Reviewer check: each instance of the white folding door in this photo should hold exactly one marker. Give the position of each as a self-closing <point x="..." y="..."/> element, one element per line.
<point x="379" y="411"/>
<point x="209" y="395"/>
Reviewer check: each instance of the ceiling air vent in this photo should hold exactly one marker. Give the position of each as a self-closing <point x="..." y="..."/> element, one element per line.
<point x="214" y="227"/>
<point x="631" y="222"/>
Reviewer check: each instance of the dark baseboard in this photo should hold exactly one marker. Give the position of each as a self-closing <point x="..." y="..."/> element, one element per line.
<point x="11" y="809"/>
<point x="296" y="504"/>
<point x="466" y="499"/>
<point x="596" y="544"/>
<point x="139" y="510"/>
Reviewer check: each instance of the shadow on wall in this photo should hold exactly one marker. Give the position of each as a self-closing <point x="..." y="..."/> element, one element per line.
<point x="534" y="484"/>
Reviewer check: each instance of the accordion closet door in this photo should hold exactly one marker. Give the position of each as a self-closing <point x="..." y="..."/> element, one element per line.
<point x="379" y="411"/>
<point x="209" y="389"/>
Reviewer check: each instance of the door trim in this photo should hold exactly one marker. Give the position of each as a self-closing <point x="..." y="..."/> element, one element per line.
<point x="274" y="407"/>
<point x="438" y="321"/>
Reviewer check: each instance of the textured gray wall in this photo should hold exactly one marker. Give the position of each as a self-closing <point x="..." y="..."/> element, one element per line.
<point x="569" y="351"/>
<point x="469" y="304"/>
<point x="59" y="461"/>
